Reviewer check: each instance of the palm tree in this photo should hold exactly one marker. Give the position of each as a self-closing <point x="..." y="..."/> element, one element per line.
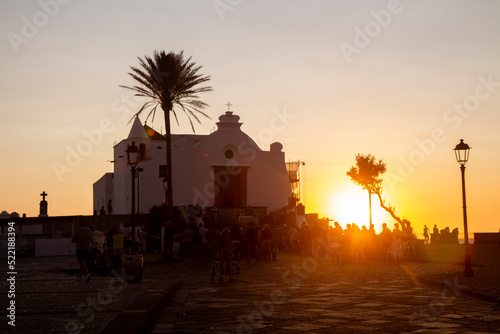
<point x="171" y="83"/>
<point x="366" y="174"/>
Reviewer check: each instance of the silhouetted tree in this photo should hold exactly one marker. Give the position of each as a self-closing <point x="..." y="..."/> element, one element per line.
<point x="172" y="83"/>
<point x="366" y="173"/>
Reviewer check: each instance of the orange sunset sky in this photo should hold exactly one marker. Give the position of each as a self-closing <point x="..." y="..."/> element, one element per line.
<point x="401" y="80"/>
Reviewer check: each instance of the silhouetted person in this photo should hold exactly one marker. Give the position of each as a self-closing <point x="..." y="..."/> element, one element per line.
<point x="110" y="207"/>
<point x="169" y="240"/>
<point x="266" y="237"/>
<point x="109" y="239"/>
<point x="372" y="230"/>
<point x="426" y="234"/>
<point x="102" y="212"/>
<point x="385" y="238"/>
<point x="126" y="230"/>
<point x="337" y="233"/>
<point x="82" y="237"/>
<point x="407" y="231"/>
<point x="225" y="245"/>
<point x="252" y="236"/>
<point x="196" y="239"/>
<point x="348" y="241"/>
<point x="396" y="232"/>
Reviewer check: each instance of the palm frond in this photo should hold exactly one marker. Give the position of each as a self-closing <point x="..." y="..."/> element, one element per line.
<point x="170" y="82"/>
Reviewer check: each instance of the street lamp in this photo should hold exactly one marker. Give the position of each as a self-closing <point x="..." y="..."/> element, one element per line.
<point x="462" y="155"/>
<point x="133" y="160"/>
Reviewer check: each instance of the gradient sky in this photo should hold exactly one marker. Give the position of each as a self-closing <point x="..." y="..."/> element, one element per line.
<point x="402" y="80"/>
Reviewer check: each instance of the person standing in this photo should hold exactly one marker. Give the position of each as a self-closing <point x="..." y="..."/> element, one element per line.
<point x="196" y="240"/>
<point x="203" y="232"/>
<point x="226" y="248"/>
<point x="435" y="230"/>
<point x="426" y="234"/>
<point x="266" y="236"/>
<point x="143" y="238"/>
<point x="117" y="250"/>
<point x="82" y="237"/>
<point x="251" y="235"/>
<point x="126" y="230"/>
<point x="110" y="207"/>
<point x="386" y="239"/>
<point x="169" y="240"/>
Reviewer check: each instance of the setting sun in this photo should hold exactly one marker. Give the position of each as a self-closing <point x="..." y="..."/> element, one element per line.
<point x="351" y="206"/>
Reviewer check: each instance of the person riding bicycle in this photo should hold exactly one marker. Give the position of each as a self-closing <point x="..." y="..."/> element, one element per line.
<point x="225" y="247"/>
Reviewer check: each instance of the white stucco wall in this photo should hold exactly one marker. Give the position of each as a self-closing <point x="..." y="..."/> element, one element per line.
<point x="103" y="192"/>
<point x="193" y="159"/>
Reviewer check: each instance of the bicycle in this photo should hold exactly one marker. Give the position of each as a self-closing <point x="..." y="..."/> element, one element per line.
<point x="218" y="264"/>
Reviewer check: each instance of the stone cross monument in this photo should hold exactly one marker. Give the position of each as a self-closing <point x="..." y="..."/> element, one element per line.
<point x="43" y="205"/>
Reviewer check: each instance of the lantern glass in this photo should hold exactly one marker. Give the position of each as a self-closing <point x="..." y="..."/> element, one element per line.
<point x="132" y="154"/>
<point x="462" y="152"/>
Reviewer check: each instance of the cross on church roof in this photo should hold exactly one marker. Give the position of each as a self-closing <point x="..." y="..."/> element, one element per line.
<point x="228" y="106"/>
<point x="43" y="195"/>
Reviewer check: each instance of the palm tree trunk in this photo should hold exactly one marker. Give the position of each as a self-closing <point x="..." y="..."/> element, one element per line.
<point x="168" y="139"/>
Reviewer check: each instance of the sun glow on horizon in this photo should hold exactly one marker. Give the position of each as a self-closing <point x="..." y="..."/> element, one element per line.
<point x="351" y="206"/>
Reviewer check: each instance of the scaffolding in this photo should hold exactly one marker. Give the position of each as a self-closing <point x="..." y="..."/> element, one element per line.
<point x="294" y="169"/>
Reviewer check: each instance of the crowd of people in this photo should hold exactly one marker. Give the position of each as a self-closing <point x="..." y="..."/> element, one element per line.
<point x="99" y="252"/>
<point x="440" y="236"/>
<point x="253" y="242"/>
<point x="259" y="243"/>
<point x="241" y="242"/>
<point x="349" y="242"/>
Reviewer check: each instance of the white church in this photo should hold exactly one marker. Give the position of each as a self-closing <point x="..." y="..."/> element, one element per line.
<point x="225" y="168"/>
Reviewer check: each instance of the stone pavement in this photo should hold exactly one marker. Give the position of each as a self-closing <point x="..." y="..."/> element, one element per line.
<point x="485" y="284"/>
<point x="293" y="294"/>
<point x="49" y="300"/>
<point x="306" y="295"/>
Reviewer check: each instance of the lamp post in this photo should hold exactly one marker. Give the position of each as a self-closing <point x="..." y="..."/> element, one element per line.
<point x="139" y="170"/>
<point x="133" y="159"/>
<point x="462" y="155"/>
<point x="165" y="187"/>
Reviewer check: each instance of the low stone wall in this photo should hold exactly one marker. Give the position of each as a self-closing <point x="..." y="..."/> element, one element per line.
<point x="63" y="226"/>
<point x="54" y="247"/>
<point x="487" y="238"/>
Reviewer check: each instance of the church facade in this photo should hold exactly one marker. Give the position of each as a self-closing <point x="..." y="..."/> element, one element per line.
<point x="225" y="168"/>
